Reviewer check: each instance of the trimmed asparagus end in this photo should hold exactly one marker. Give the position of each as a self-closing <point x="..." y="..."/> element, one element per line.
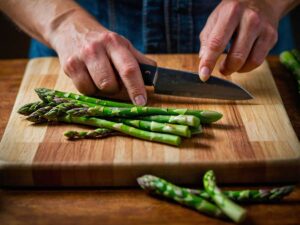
<point x="228" y="207"/>
<point x="208" y="116"/>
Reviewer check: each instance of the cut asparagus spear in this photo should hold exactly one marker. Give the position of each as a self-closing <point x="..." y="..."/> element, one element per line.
<point x="162" y="187"/>
<point x="188" y="120"/>
<point x="228" y="207"/>
<point x="94" y="134"/>
<point x="168" y="128"/>
<point x="39" y="116"/>
<point x="206" y="116"/>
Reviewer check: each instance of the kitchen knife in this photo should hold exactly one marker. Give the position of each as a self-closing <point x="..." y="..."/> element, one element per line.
<point x="182" y="83"/>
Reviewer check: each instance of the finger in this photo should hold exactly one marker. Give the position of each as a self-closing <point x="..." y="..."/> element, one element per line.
<point x="128" y="69"/>
<point x="100" y="68"/>
<point x="76" y="70"/>
<point x="260" y="50"/>
<point x="211" y="21"/>
<point x="248" y="32"/>
<point x="219" y="37"/>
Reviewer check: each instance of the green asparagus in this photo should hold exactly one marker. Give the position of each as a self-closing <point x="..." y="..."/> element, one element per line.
<point x="94" y="134"/>
<point x="259" y="195"/>
<point x="43" y="93"/>
<point x="288" y="60"/>
<point x="205" y="116"/>
<point x="228" y="207"/>
<point x="39" y="116"/>
<point x="176" y="129"/>
<point x="29" y="108"/>
<point x="171" y="191"/>
<point x="188" y="120"/>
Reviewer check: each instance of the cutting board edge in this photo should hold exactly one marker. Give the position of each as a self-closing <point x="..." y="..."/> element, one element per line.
<point x="36" y="175"/>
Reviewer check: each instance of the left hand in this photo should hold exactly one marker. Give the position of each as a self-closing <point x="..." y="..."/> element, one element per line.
<point x="253" y="26"/>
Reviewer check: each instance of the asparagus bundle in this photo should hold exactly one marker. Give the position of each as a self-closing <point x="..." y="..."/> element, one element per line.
<point x="165" y="125"/>
<point x="192" y="197"/>
<point x="47" y="95"/>
<point x="42" y="114"/>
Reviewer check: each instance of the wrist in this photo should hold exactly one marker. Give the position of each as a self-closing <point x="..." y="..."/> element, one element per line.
<point x="281" y="8"/>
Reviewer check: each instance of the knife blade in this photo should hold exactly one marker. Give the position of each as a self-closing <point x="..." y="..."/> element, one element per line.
<point x="183" y="83"/>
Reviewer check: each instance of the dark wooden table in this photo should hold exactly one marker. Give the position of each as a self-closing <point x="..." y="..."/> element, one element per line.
<point x="126" y="206"/>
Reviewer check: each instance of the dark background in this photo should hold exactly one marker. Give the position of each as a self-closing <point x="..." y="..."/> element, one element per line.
<point x="15" y="43"/>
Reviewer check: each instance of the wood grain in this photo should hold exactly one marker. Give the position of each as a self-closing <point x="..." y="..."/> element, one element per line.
<point x="126" y="206"/>
<point x="254" y="141"/>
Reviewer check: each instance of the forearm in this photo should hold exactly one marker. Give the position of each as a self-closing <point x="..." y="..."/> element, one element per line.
<point x="42" y="19"/>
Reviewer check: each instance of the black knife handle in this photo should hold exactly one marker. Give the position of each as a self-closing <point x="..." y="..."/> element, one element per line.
<point x="148" y="73"/>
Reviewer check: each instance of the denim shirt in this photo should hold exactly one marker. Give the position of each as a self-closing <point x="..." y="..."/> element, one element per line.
<point x="158" y="26"/>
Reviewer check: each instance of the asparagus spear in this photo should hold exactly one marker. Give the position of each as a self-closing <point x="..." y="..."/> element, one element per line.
<point x="260" y="195"/>
<point x="288" y="60"/>
<point x="39" y="116"/>
<point x="228" y="207"/>
<point x="205" y="116"/>
<point x="176" y="129"/>
<point x="94" y="134"/>
<point x="180" y="195"/>
<point x="43" y="93"/>
<point x="29" y="108"/>
<point x="188" y="120"/>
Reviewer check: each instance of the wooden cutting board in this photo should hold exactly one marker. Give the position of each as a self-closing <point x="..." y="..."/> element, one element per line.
<point x="253" y="142"/>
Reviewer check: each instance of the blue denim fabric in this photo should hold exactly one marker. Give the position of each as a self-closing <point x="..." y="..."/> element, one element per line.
<point x="159" y="26"/>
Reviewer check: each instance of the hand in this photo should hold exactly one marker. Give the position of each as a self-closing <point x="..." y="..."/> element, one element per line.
<point x="97" y="59"/>
<point x="253" y="26"/>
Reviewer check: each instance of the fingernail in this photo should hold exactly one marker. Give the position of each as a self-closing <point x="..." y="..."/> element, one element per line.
<point x="140" y="100"/>
<point x="204" y="73"/>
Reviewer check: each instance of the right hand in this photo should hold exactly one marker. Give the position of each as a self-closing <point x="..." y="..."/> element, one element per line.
<point x="96" y="59"/>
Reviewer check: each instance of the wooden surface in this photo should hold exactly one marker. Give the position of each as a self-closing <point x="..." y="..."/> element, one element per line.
<point x="126" y="206"/>
<point x="254" y="141"/>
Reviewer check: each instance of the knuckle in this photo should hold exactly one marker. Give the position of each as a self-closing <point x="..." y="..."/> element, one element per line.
<point x="255" y="61"/>
<point x="129" y="70"/>
<point x="109" y="37"/>
<point x="215" y="44"/>
<point x="237" y="57"/>
<point x="253" y="19"/>
<point x="90" y="49"/>
<point x="70" y="66"/>
<point x="105" y="84"/>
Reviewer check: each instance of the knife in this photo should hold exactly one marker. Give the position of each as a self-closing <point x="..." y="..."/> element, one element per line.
<point x="182" y="83"/>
